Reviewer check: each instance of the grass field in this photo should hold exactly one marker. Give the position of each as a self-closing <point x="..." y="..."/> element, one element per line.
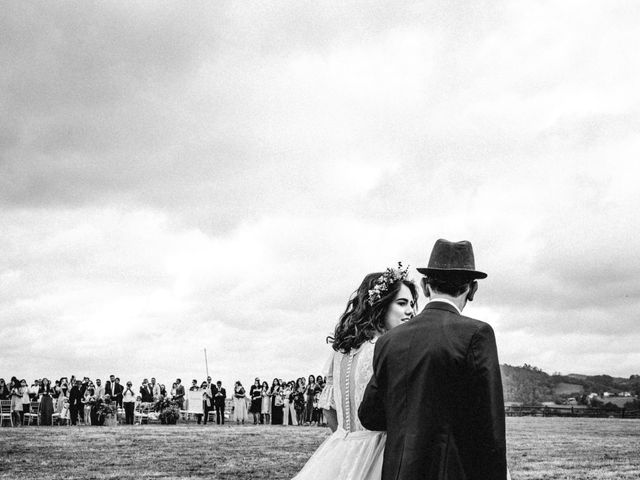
<point x="539" y="448"/>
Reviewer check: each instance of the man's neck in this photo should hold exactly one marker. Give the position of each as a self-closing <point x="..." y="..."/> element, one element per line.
<point x="459" y="302"/>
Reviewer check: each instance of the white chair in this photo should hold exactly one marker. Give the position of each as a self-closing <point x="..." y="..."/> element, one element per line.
<point x="5" y="412"/>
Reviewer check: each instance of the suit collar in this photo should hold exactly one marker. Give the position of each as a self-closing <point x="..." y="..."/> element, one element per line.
<point x="440" y="304"/>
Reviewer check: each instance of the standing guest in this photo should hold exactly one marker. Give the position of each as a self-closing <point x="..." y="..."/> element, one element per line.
<point x="46" y="402"/>
<point x="88" y="399"/>
<point x="33" y="391"/>
<point x="289" y="410"/>
<point x="109" y="387"/>
<point x="239" y="403"/>
<point x="26" y="398"/>
<point x="163" y="390"/>
<point x="276" y="403"/>
<point x="194" y="388"/>
<point x="265" y="406"/>
<point x="207" y="398"/>
<point x="99" y="390"/>
<point x="62" y="403"/>
<point x="256" y="401"/>
<point x="180" y="392"/>
<point x="309" y="395"/>
<point x="16" y="401"/>
<point x="119" y="389"/>
<point x="298" y="400"/>
<point x="155" y="389"/>
<point x="129" y="402"/>
<point x="219" y="401"/>
<point x="146" y="392"/>
<point x="317" y="412"/>
<point x="75" y="402"/>
<point x="83" y="389"/>
<point x="4" y="390"/>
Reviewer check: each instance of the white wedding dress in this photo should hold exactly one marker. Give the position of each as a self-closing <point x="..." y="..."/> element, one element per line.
<point x="351" y="452"/>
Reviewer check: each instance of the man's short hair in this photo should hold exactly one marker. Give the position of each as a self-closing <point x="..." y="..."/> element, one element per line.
<point x="454" y="285"/>
<point x="218" y="382"/>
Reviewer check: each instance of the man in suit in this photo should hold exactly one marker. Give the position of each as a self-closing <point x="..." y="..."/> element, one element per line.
<point x="118" y="392"/>
<point x="99" y="390"/>
<point x="219" y="399"/>
<point x="155" y="389"/>
<point x="180" y="392"/>
<point x="207" y="397"/>
<point x="436" y="387"/>
<point x="75" y="401"/>
<point x="146" y="392"/>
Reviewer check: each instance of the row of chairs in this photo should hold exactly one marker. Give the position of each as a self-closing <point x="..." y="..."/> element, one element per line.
<point x="33" y="415"/>
<point x="143" y="414"/>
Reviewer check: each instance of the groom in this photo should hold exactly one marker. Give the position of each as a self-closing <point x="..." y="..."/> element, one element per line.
<point x="436" y="385"/>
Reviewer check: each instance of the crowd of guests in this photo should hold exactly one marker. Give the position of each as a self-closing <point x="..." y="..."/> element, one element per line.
<point x="73" y="401"/>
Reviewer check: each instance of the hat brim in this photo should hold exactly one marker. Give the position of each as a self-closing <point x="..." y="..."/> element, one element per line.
<point x="472" y="274"/>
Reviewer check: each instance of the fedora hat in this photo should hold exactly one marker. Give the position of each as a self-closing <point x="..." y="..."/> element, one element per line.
<point x="452" y="258"/>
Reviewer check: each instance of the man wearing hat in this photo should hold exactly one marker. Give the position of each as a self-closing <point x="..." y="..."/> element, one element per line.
<point x="436" y="387"/>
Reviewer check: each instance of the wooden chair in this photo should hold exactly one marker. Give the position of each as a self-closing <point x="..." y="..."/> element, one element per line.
<point x="5" y="412"/>
<point x="34" y="413"/>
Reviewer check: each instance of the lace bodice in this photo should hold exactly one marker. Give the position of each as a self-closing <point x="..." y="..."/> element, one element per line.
<point x="349" y="375"/>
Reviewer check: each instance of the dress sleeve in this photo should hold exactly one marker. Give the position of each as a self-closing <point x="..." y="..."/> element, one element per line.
<point x="326" y="400"/>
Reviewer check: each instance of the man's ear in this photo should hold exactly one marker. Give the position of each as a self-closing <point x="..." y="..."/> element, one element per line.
<point x="425" y="288"/>
<point x="472" y="290"/>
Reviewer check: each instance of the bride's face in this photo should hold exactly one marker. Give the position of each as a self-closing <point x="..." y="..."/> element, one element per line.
<point x="400" y="310"/>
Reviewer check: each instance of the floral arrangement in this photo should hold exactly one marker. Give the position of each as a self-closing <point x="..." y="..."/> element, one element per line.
<point x="105" y="408"/>
<point x="382" y="283"/>
<point x="169" y="410"/>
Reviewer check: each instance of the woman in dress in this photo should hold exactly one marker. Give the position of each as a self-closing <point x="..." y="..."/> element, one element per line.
<point x="277" y="403"/>
<point x="308" y="395"/>
<point x="298" y="400"/>
<point x="240" y="403"/>
<point x="46" y="402"/>
<point x="265" y="406"/>
<point x="256" y="401"/>
<point x="16" y="401"/>
<point x="382" y="302"/>
<point x="4" y="390"/>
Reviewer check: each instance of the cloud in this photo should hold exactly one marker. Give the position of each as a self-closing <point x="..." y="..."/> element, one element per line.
<point x="223" y="176"/>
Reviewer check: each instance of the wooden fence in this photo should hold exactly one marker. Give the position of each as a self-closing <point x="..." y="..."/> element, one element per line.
<point x="544" y="411"/>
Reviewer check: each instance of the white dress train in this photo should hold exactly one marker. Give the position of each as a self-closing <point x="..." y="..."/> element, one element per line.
<point x="351" y="452"/>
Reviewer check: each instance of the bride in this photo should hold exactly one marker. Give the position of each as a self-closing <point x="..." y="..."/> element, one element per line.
<point x="382" y="301"/>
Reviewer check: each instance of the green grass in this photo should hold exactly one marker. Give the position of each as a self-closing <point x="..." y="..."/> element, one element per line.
<point x="539" y="448"/>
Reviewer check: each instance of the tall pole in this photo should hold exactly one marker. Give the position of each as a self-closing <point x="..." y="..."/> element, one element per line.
<point x="206" y="363"/>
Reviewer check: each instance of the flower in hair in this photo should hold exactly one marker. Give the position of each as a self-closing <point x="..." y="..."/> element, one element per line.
<point x="384" y="281"/>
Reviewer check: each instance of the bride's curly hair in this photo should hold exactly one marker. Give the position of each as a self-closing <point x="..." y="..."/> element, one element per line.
<point x="361" y="320"/>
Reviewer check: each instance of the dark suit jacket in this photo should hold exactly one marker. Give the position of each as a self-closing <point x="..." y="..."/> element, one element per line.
<point x="75" y="397"/>
<point x="218" y="400"/>
<point x="437" y="390"/>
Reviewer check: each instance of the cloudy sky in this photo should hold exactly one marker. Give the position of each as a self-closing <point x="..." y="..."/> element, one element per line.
<point x="177" y="176"/>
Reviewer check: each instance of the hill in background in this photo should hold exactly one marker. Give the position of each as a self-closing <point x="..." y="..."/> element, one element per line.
<point x="530" y="385"/>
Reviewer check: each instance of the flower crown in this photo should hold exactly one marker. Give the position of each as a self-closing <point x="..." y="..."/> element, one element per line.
<point x="388" y="278"/>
